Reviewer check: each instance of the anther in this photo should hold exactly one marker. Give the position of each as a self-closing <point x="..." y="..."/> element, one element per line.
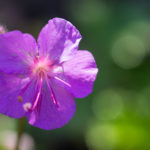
<point x="20" y="99"/>
<point x="27" y="106"/>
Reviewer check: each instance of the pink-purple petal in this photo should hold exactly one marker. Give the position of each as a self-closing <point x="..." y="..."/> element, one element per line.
<point x="58" y="39"/>
<point x="16" y="52"/>
<point x="48" y="115"/>
<point x="12" y="96"/>
<point x="80" y="72"/>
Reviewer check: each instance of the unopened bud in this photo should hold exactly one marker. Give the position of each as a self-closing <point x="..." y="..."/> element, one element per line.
<point x="2" y="29"/>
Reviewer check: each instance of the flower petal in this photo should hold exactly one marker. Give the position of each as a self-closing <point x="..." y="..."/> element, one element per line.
<point x="48" y="115"/>
<point x="10" y="99"/>
<point x="16" y="52"/>
<point x="59" y="39"/>
<point x="80" y="72"/>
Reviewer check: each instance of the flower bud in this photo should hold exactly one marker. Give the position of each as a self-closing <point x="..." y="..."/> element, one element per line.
<point x="2" y="29"/>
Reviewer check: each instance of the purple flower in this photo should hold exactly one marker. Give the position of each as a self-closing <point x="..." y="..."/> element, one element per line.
<point x="40" y="80"/>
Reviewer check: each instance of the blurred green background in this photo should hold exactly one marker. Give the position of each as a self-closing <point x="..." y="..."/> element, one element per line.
<point x="116" y="116"/>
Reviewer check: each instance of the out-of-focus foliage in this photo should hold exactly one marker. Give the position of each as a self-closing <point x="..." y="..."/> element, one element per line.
<point x="116" y="116"/>
<point x="120" y="124"/>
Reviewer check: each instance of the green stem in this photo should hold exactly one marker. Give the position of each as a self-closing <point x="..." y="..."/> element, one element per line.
<point x="21" y="125"/>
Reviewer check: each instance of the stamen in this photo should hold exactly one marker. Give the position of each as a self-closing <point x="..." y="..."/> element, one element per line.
<point x="38" y="94"/>
<point x="62" y="81"/>
<point x="51" y="92"/>
<point x="39" y="105"/>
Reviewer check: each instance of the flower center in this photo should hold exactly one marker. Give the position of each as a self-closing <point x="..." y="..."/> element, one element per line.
<point x="41" y="65"/>
<point x="43" y="70"/>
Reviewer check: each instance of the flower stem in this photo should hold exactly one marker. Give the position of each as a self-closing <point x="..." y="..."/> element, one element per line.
<point x="21" y="125"/>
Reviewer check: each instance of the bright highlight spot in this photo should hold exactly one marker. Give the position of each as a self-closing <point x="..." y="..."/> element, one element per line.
<point x="27" y="106"/>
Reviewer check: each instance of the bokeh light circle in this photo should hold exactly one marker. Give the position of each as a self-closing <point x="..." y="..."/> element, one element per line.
<point x="128" y="51"/>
